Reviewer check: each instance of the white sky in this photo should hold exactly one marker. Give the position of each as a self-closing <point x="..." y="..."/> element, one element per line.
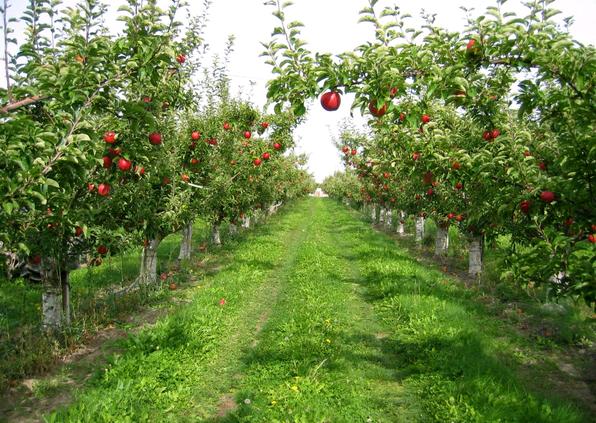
<point x="330" y="26"/>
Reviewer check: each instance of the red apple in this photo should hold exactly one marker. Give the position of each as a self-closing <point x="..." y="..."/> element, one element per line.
<point x="471" y="44"/>
<point x="264" y="125"/>
<point x="487" y="135"/>
<point x="495" y="133"/>
<point x="402" y="117"/>
<point x="147" y="99"/>
<point x="165" y="180"/>
<point x="542" y="166"/>
<point x="425" y="118"/>
<point x="194" y="161"/>
<point x="140" y="171"/>
<point x="181" y="58"/>
<point x="386" y="175"/>
<point x="430" y="192"/>
<point x="455" y="166"/>
<point x="78" y="231"/>
<point x="547" y="196"/>
<point x="393" y="92"/>
<point x="257" y="162"/>
<point x="36" y="260"/>
<point x="459" y="186"/>
<point x="109" y="137"/>
<point x="227" y="126"/>
<point x="185" y="177"/>
<point x="266" y="156"/>
<point x="90" y="187"/>
<point x="525" y="206"/>
<point x="124" y="165"/>
<point x="103" y="189"/>
<point x="102" y="249"/>
<point x="459" y="217"/>
<point x="196" y="135"/>
<point x="331" y="101"/>
<point x="115" y="151"/>
<point x="416" y="156"/>
<point x="592" y="238"/>
<point x="277" y="146"/>
<point x="247" y="134"/>
<point x="345" y="149"/>
<point x="155" y="138"/>
<point x="107" y="162"/>
<point x="569" y="221"/>
<point x="377" y="112"/>
<point x="354" y="152"/>
<point x="450" y="216"/>
<point x="527" y="153"/>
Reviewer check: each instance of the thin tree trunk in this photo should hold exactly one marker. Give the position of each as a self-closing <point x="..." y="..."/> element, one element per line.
<point x="186" y="244"/>
<point x="66" y="297"/>
<point x="475" y="252"/>
<point x="233" y="229"/>
<point x="215" y="234"/>
<point x="442" y="241"/>
<point x="148" y="273"/>
<point x="51" y="301"/>
<point x="377" y="214"/>
<point x="401" y="226"/>
<point x="419" y="229"/>
<point x="246" y="222"/>
<point x="388" y="218"/>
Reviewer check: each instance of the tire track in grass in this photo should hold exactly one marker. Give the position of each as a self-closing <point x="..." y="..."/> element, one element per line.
<point x="320" y="359"/>
<point x="179" y="369"/>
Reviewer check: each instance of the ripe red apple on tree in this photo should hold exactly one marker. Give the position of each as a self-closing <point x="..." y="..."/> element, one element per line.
<point x="354" y="152"/>
<point x="247" y="134"/>
<point x="487" y="136"/>
<point x="139" y="171"/>
<point x="425" y="118"/>
<point x="524" y="206"/>
<point x="195" y="136"/>
<point x="114" y="151"/>
<point x="430" y="192"/>
<point x="542" y="166"/>
<point x="155" y="138"/>
<point x="266" y="156"/>
<point x="165" y="180"/>
<point x="386" y="175"/>
<point x="459" y="186"/>
<point x="194" y="161"/>
<point x="264" y="125"/>
<point x="459" y="217"/>
<point x="547" y="196"/>
<point x="109" y="137"/>
<point x="107" y="162"/>
<point x="455" y="166"/>
<point x="345" y="149"/>
<point x="377" y="112"/>
<point x="592" y="238"/>
<point x="402" y="117"/>
<point x="257" y="162"/>
<point x="78" y="231"/>
<point x="277" y="146"/>
<point x="393" y="92"/>
<point x="124" y="165"/>
<point x="181" y="58"/>
<point x="102" y="249"/>
<point x="416" y="155"/>
<point x="527" y="153"/>
<point x="495" y="133"/>
<point x="227" y="126"/>
<point x="90" y="187"/>
<point x="103" y="189"/>
<point x="450" y="216"/>
<point x="185" y="177"/>
<point x="331" y="101"/>
<point x="147" y="99"/>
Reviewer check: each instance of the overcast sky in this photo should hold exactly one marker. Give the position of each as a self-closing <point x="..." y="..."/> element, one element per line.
<point x="330" y="26"/>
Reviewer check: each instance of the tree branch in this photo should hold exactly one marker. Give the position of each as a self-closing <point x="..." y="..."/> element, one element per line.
<point x="21" y="103"/>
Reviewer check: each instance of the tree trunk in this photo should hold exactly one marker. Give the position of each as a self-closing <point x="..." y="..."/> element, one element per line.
<point x="186" y="244"/>
<point x="475" y="251"/>
<point x="233" y="229"/>
<point x="65" y="297"/>
<point x="51" y="301"/>
<point x="388" y="218"/>
<point x="215" y="235"/>
<point x="401" y="226"/>
<point x="246" y="222"/>
<point x="442" y="241"/>
<point x="148" y="273"/>
<point x="377" y="215"/>
<point x="419" y="229"/>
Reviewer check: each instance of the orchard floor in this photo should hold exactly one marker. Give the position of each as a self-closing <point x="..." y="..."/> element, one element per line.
<point x="316" y="317"/>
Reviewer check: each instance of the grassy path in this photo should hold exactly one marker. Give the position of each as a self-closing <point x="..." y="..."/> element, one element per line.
<point x="324" y="321"/>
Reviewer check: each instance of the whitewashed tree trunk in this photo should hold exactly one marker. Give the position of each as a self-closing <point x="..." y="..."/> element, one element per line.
<point x="186" y="244"/>
<point x="388" y="218"/>
<point x="377" y="215"/>
<point x="246" y="222"/>
<point x="148" y="272"/>
<point x="382" y="216"/>
<point x="51" y="297"/>
<point x="401" y="226"/>
<point x="233" y="229"/>
<point x="419" y="229"/>
<point x="215" y="234"/>
<point x="442" y="241"/>
<point x="475" y="251"/>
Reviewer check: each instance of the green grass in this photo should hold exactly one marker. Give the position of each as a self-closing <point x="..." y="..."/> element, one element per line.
<point x="25" y="350"/>
<point x="326" y="320"/>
